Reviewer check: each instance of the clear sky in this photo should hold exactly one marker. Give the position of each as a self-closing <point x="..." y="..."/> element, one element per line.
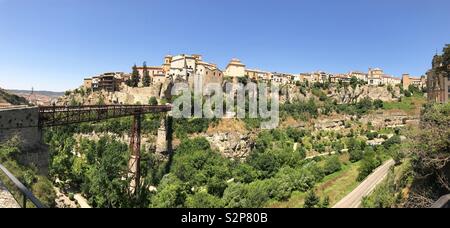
<point x="54" y="44"/>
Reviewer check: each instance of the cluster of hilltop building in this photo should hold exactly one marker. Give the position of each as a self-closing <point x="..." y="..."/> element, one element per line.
<point x="188" y="67"/>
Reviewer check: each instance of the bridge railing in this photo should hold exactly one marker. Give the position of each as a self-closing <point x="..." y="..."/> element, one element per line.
<point x="26" y="194"/>
<point x="63" y="115"/>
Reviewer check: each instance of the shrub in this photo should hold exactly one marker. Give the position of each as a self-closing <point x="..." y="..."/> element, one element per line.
<point x="378" y="104"/>
<point x="372" y="135"/>
<point x="71" y="196"/>
<point x="395" y="140"/>
<point x="332" y="165"/>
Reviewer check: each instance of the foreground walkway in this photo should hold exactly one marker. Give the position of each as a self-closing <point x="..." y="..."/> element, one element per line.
<point x="353" y="200"/>
<point x="6" y="199"/>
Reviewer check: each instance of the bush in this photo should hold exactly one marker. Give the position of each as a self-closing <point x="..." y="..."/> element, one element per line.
<point x="253" y="195"/>
<point x="378" y="104"/>
<point x="71" y="196"/>
<point x="394" y="140"/>
<point x="407" y="93"/>
<point x="153" y="101"/>
<point x="372" y="135"/>
<point x="332" y="165"/>
<point x="368" y="164"/>
<point x="203" y="200"/>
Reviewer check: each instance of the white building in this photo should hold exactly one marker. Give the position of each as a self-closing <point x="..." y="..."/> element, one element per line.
<point x="390" y="80"/>
<point x="359" y="75"/>
<point x="191" y="68"/>
<point x="281" y="78"/>
<point x="375" y="76"/>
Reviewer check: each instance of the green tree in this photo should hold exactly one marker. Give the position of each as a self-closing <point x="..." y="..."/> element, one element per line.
<point x="153" y="101"/>
<point x="146" y="76"/>
<point x="311" y="200"/>
<point x="105" y="184"/>
<point x="332" y="165"/>
<point x="372" y="135"/>
<point x="325" y="202"/>
<point x="394" y="140"/>
<point x="203" y="200"/>
<point x="354" y="82"/>
<point x="378" y="104"/>
<point x="368" y="164"/>
<point x="171" y="193"/>
<point x="135" y="78"/>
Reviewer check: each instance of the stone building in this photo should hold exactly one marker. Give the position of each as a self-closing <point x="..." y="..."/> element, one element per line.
<point x="281" y="78"/>
<point x="157" y="74"/>
<point x="235" y="69"/>
<point x="390" y="80"/>
<point x="258" y="75"/>
<point x="419" y="82"/>
<point x="343" y="78"/>
<point x="359" y="75"/>
<point x="191" y="68"/>
<point x="438" y="80"/>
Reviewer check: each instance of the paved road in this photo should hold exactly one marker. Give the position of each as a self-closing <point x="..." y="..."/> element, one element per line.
<point x="353" y="200"/>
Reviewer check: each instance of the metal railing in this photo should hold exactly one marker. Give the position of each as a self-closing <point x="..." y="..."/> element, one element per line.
<point x="443" y="202"/>
<point x="26" y="194"/>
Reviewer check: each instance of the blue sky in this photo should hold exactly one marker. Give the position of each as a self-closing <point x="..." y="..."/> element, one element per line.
<point x="54" y="44"/>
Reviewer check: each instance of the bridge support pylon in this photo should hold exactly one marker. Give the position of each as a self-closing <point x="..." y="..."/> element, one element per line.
<point x="135" y="158"/>
<point x="164" y="138"/>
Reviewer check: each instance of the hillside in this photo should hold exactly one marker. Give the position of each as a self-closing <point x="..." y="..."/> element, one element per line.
<point x="43" y="93"/>
<point x="38" y="97"/>
<point x="7" y="99"/>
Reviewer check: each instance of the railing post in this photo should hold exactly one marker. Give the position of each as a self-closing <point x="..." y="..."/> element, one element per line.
<point x="24" y="200"/>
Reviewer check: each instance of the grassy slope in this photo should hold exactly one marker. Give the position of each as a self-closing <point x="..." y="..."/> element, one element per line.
<point x="410" y="105"/>
<point x="336" y="186"/>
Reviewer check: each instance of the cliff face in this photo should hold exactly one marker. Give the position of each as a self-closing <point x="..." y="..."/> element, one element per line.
<point x="231" y="139"/>
<point x="348" y="95"/>
<point x="126" y="95"/>
<point x="342" y="95"/>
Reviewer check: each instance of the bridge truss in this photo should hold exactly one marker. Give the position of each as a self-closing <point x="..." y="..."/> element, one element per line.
<point x="50" y="116"/>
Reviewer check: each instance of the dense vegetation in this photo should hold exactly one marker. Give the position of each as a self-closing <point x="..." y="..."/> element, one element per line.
<point x="198" y="176"/>
<point x="423" y="176"/>
<point x="40" y="185"/>
<point x="431" y="156"/>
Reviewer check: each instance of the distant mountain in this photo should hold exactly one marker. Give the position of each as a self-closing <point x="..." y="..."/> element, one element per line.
<point x="38" y="97"/>
<point x="43" y="93"/>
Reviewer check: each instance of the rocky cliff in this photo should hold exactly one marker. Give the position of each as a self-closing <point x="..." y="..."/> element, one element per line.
<point x="126" y="95"/>
<point x="343" y="95"/>
<point x="349" y="95"/>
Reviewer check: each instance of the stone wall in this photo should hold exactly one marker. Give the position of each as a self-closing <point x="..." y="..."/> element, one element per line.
<point x="23" y="124"/>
